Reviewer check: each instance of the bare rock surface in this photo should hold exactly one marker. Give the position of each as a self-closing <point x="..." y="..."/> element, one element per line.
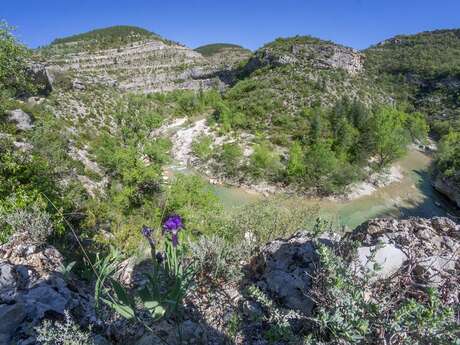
<point x="31" y="288"/>
<point x="448" y="187"/>
<point x="426" y="250"/>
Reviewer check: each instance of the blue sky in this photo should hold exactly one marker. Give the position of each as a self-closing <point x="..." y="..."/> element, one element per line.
<point x="251" y="23"/>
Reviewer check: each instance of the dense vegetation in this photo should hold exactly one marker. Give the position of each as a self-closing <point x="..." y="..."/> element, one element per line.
<point x="211" y="49"/>
<point x="423" y="70"/>
<point x="322" y="149"/>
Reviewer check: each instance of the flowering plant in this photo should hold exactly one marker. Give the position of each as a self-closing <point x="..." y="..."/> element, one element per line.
<point x="168" y="281"/>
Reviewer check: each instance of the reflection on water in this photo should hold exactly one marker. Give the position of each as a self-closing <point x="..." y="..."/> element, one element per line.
<point x="412" y="196"/>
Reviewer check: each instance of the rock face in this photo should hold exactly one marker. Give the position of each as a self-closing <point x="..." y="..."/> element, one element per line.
<point x="284" y="270"/>
<point x="448" y="188"/>
<point x="331" y="56"/>
<point x="151" y="65"/>
<point x="31" y="288"/>
<point x="41" y="76"/>
<point x="428" y="250"/>
<point x="314" y="54"/>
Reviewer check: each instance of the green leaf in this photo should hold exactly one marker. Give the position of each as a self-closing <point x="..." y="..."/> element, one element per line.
<point x="125" y="311"/>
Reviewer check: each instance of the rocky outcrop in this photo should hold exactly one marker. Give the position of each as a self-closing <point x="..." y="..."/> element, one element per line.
<point x="151" y="65"/>
<point x="426" y="251"/>
<point x="312" y="54"/>
<point x="447" y="187"/>
<point x="41" y="76"/>
<point x="32" y="288"/>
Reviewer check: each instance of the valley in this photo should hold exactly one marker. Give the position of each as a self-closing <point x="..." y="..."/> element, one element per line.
<point x="305" y="193"/>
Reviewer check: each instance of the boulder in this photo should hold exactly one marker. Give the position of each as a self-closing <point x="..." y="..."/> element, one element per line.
<point x="284" y="269"/>
<point x="381" y="261"/>
<point x="42" y="76"/>
<point x="428" y="250"/>
<point x="22" y="120"/>
<point x="11" y="317"/>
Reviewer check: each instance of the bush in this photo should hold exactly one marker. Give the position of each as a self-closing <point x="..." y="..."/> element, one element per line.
<point x="67" y="333"/>
<point x="230" y="156"/>
<point x="216" y="260"/>
<point x="349" y="312"/>
<point x="264" y="162"/>
<point x="267" y="219"/>
<point x="35" y="222"/>
<point x="202" y="147"/>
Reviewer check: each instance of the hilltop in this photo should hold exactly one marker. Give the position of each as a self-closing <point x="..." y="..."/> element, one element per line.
<point x="134" y="59"/>
<point x="215" y="48"/>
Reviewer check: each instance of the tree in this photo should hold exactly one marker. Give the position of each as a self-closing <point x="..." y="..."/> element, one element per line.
<point x="321" y="165"/>
<point x="389" y="135"/>
<point x="448" y="155"/>
<point x="295" y="167"/>
<point x="418" y="127"/>
<point x="14" y="76"/>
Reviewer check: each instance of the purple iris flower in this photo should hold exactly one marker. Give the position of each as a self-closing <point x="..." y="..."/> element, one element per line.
<point x="173" y="224"/>
<point x="147" y="233"/>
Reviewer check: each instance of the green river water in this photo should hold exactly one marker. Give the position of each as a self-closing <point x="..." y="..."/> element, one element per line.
<point x="412" y="196"/>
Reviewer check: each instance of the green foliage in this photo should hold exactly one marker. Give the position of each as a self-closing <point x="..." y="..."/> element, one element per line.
<point x="421" y="70"/>
<point x="202" y="147"/>
<point x="216" y="260"/>
<point x="15" y="76"/>
<point x="346" y="315"/>
<point x="231" y="156"/>
<point x="191" y="197"/>
<point x="328" y="147"/>
<point x="389" y="135"/>
<point x="215" y="48"/>
<point x="30" y="177"/>
<point x="448" y="156"/>
<point x="264" y="162"/>
<point x="105" y="38"/>
<point x="162" y="295"/>
<point x="35" y="222"/>
<point x="267" y="219"/>
<point x="295" y="168"/>
<point x="63" y="333"/>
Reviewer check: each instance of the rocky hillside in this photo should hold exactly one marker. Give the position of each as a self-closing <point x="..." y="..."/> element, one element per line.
<point x="289" y="288"/>
<point x="134" y="59"/>
<point x="303" y="71"/>
<point x="423" y="69"/>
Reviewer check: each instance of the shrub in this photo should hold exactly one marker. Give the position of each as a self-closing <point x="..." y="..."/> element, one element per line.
<point x="350" y="312"/>
<point x="66" y="333"/>
<point x="34" y="221"/>
<point x="202" y="147"/>
<point x="230" y="156"/>
<point x="264" y="163"/>
<point x="267" y="219"/>
<point x="215" y="259"/>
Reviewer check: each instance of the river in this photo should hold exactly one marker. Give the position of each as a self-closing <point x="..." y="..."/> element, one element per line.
<point x="413" y="195"/>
